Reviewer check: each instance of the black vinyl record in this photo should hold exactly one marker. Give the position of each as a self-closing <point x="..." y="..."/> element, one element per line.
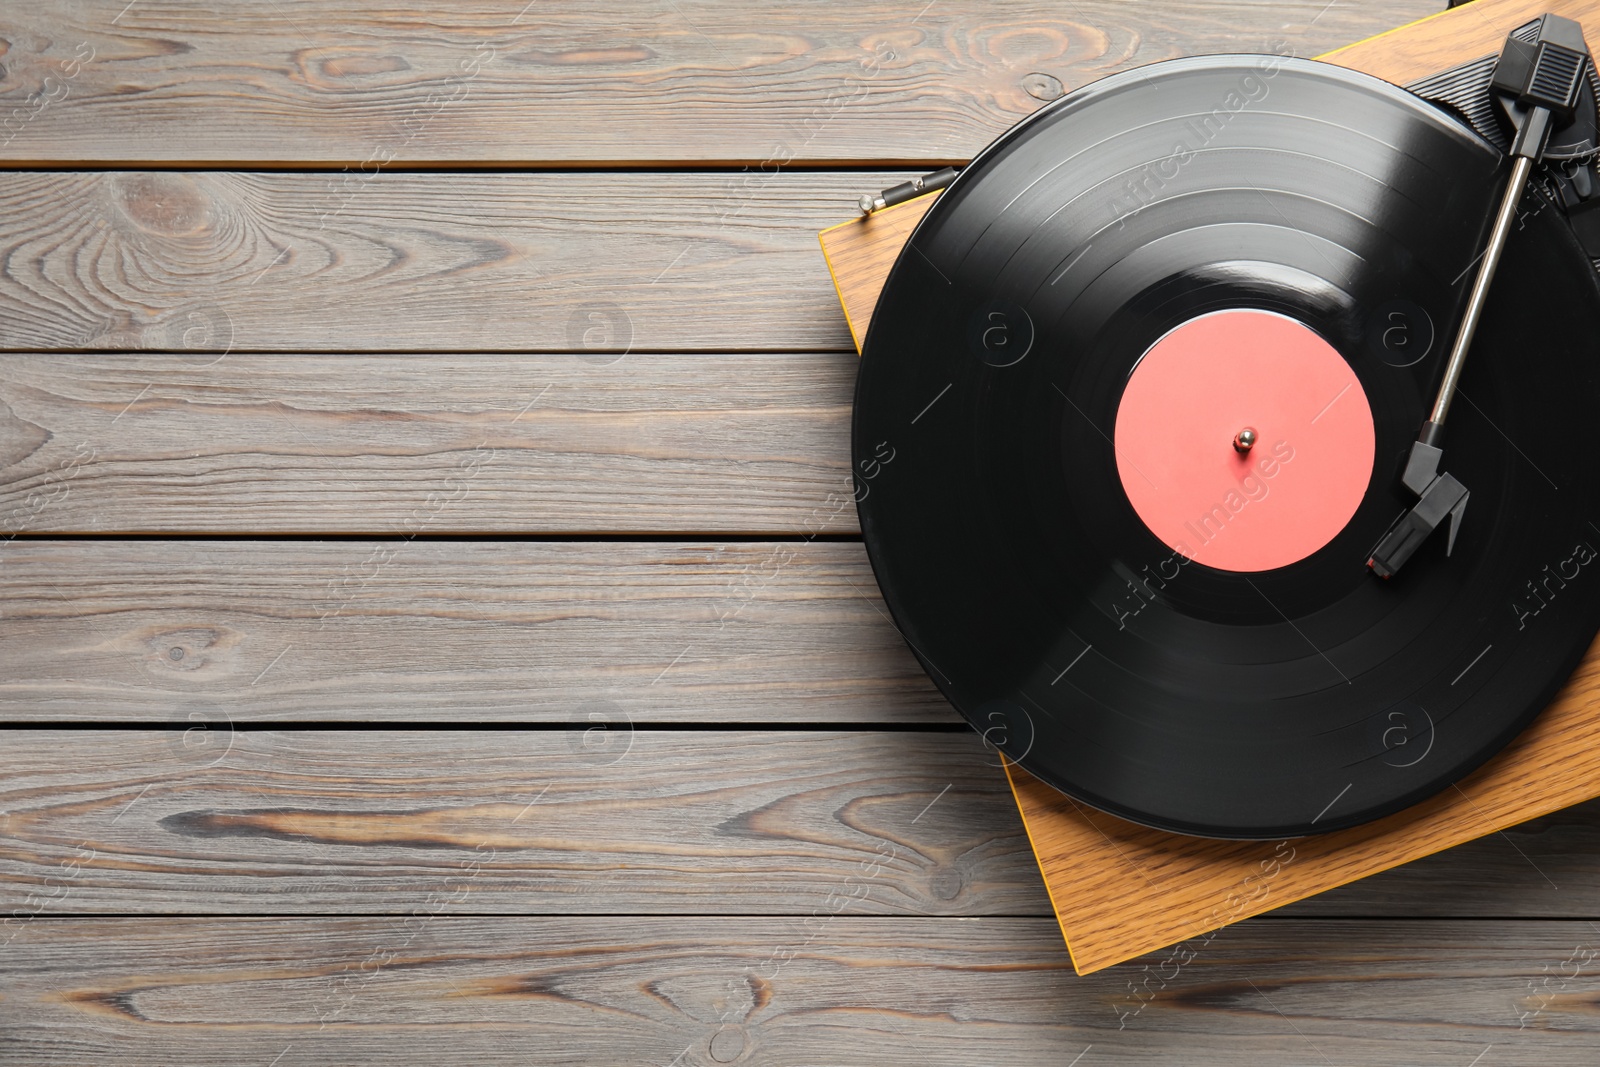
<point x="1230" y="701"/>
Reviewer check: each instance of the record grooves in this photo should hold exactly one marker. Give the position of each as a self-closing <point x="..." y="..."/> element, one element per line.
<point x="1266" y="686"/>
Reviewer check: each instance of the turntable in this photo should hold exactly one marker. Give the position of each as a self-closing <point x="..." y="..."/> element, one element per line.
<point x="1173" y="518"/>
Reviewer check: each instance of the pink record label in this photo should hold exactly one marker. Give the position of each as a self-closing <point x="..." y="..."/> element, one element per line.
<point x="1244" y="440"/>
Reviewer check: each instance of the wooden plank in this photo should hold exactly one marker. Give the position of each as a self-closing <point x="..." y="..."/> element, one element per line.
<point x="438" y="631"/>
<point x="426" y="445"/>
<point x="206" y="263"/>
<point x="600" y="818"/>
<point x="825" y="989"/>
<point x="593" y="819"/>
<point x="606" y="82"/>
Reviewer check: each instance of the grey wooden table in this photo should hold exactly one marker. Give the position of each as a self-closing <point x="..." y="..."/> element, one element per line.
<point x="433" y="625"/>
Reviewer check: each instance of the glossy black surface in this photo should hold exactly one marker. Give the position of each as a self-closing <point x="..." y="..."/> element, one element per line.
<point x="1280" y="703"/>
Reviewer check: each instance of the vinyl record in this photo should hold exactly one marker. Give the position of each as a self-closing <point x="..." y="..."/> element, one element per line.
<point x="1057" y="506"/>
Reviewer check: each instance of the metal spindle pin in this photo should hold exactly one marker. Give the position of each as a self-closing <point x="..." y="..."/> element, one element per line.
<point x="1244" y="440"/>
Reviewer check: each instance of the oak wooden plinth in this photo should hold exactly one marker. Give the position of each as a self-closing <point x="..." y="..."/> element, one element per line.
<point x="1121" y="890"/>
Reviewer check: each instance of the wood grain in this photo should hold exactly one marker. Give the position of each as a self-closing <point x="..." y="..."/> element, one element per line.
<point x="600" y="817"/>
<point x="1546" y="867"/>
<point x="593" y="819"/>
<point x="439" y="631"/>
<point x="599" y="264"/>
<point x="605" y="82"/>
<point x="860" y="253"/>
<point x="426" y="445"/>
<point x="824" y="989"/>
